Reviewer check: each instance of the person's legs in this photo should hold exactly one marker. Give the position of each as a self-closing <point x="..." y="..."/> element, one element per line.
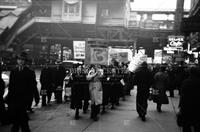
<point x="92" y="111"/>
<point x="44" y="100"/>
<point x="76" y="113"/>
<point x="159" y="107"/>
<point x="197" y="127"/>
<point x="186" y="128"/>
<point x="49" y="94"/>
<point x="96" y="112"/>
<point x="25" y="126"/>
<point x="141" y="106"/>
<point x="85" y="105"/>
<point x="15" y="126"/>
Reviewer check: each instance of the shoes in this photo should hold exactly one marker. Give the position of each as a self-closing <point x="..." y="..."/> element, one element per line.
<point x="76" y="116"/>
<point x="159" y="110"/>
<point x="143" y="118"/>
<point x="112" y="108"/>
<point x="103" y="112"/>
<point x="96" y="118"/>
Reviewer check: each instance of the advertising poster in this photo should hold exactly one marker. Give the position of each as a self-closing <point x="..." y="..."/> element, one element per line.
<point x="123" y="57"/>
<point x="99" y="55"/>
<point x="158" y="56"/>
<point x="72" y="10"/>
<point x="79" y="49"/>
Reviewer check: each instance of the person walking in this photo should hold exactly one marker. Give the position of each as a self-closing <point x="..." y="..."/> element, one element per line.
<point x="95" y="88"/>
<point x="161" y="84"/>
<point x="58" y="78"/>
<point x="46" y="84"/>
<point x="22" y="80"/>
<point x="143" y="79"/>
<point x="77" y="84"/>
<point x="189" y="101"/>
<point x="2" y="105"/>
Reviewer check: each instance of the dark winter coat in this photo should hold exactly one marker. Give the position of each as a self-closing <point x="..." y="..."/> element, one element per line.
<point x="58" y="76"/>
<point x="190" y="100"/>
<point x="22" y="86"/>
<point x="46" y="79"/>
<point x="161" y="83"/>
<point x="143" y="79"/>
<point x="78" y="84"/>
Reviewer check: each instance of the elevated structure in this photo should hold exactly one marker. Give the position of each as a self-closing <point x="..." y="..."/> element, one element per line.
<point x="190" y="27"/>
<point x="49" y="25"/>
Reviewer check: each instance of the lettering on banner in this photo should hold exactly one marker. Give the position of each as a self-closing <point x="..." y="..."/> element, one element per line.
<point x="99" y="56"/>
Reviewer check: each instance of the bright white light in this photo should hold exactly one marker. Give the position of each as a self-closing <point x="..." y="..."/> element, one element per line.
<point x="157" y="5"/>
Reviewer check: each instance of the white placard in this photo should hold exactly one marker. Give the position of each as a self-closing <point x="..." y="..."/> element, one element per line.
<point x="79" y="49"/>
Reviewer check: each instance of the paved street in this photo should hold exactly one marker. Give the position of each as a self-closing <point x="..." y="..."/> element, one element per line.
<point x="59" y="118"/>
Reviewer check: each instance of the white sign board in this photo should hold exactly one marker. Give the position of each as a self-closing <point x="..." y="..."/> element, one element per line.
<point x="79" y="49"/>
<point x="176" y="41"/>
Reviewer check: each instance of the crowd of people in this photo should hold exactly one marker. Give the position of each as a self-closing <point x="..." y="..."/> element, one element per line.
<point x="102" y="88"/>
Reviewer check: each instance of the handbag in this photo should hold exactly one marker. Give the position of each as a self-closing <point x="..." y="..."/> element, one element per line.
<point x="43" y="92"/>
<point x="179" y="119"/>
<point x="153" y="93"/>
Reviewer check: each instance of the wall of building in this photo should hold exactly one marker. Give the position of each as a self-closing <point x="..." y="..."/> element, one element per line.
<point x="112" y="13"/>
<point x="89" y="12"/>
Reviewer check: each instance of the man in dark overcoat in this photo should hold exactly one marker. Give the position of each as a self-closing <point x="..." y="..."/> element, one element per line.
<point x="21" y="83"/>
<point x="58" y="78"/>
<point x="143" y="79"/>
<point x="46" y="81"/>
<point x="189" y="101"/>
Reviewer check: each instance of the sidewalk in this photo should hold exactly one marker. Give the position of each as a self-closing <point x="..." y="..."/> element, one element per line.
<point x="59" y="118"/>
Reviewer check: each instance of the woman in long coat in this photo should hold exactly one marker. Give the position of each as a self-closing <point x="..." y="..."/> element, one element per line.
<point x="77" y="82"/>
<point x="161" y="84"/>
<point x="95" y="88"/>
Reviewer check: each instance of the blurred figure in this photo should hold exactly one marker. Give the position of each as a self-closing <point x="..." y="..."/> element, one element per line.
<point x="143" y="79"/>
<point x="77" y="84"/>
<point x="2" y="105"/>
<point x="22" y="81"/>
<point x="161" y="84"/>
<point x="46" y="84"/>
<point x="189" y="101"/>
<point x="180" y="76"/>
<point x="172" y="86"/>
<point x="115" y="86"/>
<point x="95" y="88"/>
<point x="58" y="78"/>
<point x="106" y="88"/>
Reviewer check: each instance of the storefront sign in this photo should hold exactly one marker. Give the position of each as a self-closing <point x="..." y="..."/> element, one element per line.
<point x="176" y="41"/>
<point x="79" y="49"/>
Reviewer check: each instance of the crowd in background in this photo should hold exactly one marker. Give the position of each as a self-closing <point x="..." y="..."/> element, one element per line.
<point x="101" y="88"/>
